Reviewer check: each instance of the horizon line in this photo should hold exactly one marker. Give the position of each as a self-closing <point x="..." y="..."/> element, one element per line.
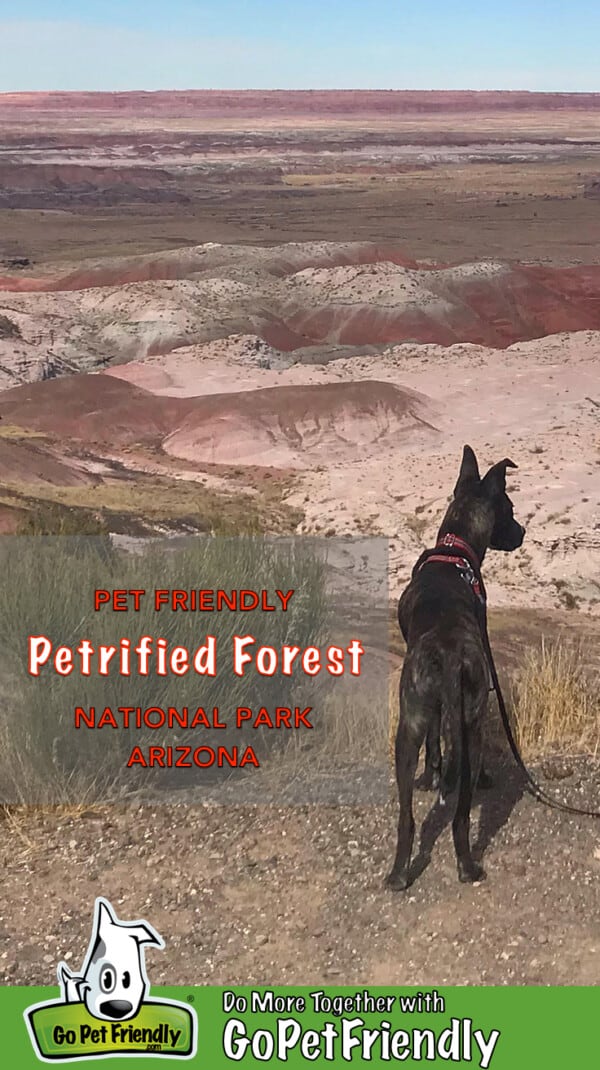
<point x="312" y="89"/>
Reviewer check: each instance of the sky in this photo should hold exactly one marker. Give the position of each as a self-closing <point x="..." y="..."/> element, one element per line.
<point x="547" y="45"/>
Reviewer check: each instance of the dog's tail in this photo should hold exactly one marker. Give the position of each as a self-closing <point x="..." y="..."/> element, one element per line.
<point x="451" y="729"/>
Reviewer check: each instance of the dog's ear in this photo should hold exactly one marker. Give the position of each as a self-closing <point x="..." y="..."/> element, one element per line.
<point x="145" y="934"/>
<point x="494" y="481"/>
<point x="105" y="919"/>
<point x="468" y="477"/>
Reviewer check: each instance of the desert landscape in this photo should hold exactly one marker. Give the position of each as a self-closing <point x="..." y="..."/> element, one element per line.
<point x="286" y="313"/>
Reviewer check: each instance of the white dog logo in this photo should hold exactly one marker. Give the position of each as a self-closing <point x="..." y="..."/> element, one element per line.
<point x="113" y="982"/>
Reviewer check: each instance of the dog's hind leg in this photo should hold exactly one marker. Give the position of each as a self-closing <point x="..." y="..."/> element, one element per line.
<point x="470" y="765"/>
<point x="408" y="745"/>
<point x="430" y="780"/>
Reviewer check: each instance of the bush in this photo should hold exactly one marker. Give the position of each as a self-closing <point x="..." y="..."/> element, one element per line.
<point x="8" y="328"/>
<point x="556" y="701"/>
<point x="54" y="519"/>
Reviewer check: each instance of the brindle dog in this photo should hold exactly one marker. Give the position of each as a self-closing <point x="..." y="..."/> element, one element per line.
<point x="445" y="678"/>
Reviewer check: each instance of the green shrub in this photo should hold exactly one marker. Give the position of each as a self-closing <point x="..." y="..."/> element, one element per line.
<point x="8" y="328"/>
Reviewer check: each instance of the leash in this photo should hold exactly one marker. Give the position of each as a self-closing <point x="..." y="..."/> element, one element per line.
<point x="532" y="784"/>
<point x="469" y="568"/>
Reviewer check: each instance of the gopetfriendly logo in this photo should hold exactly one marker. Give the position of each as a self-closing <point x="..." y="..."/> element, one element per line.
<point x="104" y="1010"/>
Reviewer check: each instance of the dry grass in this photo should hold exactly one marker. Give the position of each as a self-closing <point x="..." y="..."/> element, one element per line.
<point x="14" y="431"/>
<point x="556" y="701"/>
<point x="356" y="729"/>
<point x="347" y="749"/>
<point x="24" y="828"/>
<point x="465" y="179"/>
<point x="417" y="524"/>
<point x="326" y="178"/>
<point x="392" y="712"/>
<point x="137" y="502"/>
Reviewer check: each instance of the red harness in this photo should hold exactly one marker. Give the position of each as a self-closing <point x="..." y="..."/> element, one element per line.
<point x="467" y="564"/>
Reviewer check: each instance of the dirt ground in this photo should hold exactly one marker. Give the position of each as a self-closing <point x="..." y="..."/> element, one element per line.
<point x="560" y="231"/>
<point x="295" y="895"/>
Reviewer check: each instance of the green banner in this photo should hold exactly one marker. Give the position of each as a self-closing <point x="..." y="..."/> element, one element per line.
<point x="505" y="1028"/>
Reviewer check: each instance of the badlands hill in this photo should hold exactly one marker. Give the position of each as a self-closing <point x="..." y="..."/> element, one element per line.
<point x="344" y="378"/>
<point x="299" y="296"/>
<point x="292" y="424"/>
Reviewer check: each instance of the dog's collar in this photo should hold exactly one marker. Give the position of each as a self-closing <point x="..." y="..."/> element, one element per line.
<point x="467" y="562"/>
<point x="457" y="543"/>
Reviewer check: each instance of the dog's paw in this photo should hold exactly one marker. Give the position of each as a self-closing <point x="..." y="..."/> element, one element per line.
<point x="397" y="882"/>
<point x="471" y="873"/>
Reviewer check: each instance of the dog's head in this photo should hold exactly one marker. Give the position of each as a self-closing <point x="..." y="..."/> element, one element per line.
<point x="484" y="505"/>
<point x="113" y="981"/>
